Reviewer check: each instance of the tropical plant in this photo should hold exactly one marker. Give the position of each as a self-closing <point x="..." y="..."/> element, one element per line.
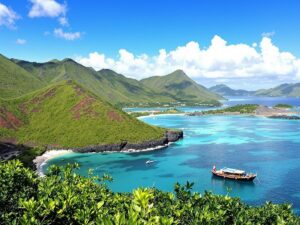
<point x="64" y="197"/>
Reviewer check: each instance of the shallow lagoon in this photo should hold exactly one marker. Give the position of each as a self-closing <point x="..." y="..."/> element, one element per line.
<point x="268" y="147"/>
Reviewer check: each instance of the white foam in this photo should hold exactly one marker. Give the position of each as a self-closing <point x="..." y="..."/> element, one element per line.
<point x="40" y="161"/>
<point x="162" y="114"/>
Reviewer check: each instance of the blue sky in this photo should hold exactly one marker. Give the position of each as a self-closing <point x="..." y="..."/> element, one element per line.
<point x="142" y="28"/>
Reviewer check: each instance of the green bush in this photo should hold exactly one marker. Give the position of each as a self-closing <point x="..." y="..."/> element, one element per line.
<point x="284" y="106"/>
<point x="63" y="197"/>
<point x="242" y="109"/>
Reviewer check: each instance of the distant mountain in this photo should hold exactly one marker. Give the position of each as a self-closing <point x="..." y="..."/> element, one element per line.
<point x="66" y="115"/>
<point x="224" y="90"/>
<point x="181" y="87"/>
<point x="14" y="80"/>
<point x="107" y="84"/>
<point x="118" y="89"/>
<point x="286" y="90"/>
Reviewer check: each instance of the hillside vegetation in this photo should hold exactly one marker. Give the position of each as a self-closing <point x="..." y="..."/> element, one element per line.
<point x="224" y="90"/>
<point x="14" y="80"/>
<point x="63" y="197"/>
<point x="286" y="90"/>
<point x="283" y="106"/>
<point x="183" y="88"/>
<point x="116" y="88"/>
<point x="241" y="109"/>
<point x="65" y="115"/>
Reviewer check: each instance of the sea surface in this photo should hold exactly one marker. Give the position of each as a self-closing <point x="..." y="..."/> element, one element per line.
<point x="268" y="147"/>
<point x="231" y="101"/>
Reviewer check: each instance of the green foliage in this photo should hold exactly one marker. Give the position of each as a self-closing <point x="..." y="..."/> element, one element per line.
<point x="113" y="87"/>
<point x="284" y="106"/>
<point x="241" y="109"/>
<point x="14" y="80"/>
<point x="65" y="115"/>
<point x="63" y="197"/>
<point x="28" y="154"/>
<point x="183" y="88"/>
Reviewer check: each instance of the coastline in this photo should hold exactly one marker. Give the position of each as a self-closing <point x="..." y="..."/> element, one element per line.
<point x="125" y="147"/>
<point x="162" y="114"/>
<point x="41" y="160"/>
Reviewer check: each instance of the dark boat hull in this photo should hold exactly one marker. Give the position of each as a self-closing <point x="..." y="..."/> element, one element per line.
<point x="234" y="177"/>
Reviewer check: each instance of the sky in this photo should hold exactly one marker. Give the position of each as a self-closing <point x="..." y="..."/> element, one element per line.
<point x="247" y="44"/>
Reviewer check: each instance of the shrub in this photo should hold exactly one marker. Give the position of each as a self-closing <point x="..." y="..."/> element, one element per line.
<point x="63" y="197"/>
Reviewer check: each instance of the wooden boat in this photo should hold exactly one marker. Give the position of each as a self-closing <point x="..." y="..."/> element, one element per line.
<point x="233" y="174"/>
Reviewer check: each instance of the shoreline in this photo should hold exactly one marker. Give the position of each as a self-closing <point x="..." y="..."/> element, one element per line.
<point x="162" y="114"/>
<point x="41" y="160"/>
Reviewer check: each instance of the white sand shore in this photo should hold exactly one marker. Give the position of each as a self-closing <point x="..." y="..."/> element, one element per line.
<point x="167" y="114"/>
<point x="146" y="149"/>
<point x="41" y="160"/>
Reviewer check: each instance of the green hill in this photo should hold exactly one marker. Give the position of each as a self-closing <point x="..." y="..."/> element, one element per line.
<point x="285" y="90"/>
<point x="14" y="80"/>
<point x="181" y="88"/>
<point x="224" y="90"/>
<point x="132" y="89"/>
<point x="118" y="89"/>
<point x="66" y="115"/>
<point x="107" y="84"/>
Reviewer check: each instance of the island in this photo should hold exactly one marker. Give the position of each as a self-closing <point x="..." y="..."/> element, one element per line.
<point x="251" y="109"/>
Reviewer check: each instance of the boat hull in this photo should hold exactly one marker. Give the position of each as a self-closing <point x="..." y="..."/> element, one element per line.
<point x="234" y="177"/>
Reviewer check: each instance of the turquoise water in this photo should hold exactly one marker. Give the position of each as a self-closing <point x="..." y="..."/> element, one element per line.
<point x="270" y="148"/>
<point x="231" y="101"/>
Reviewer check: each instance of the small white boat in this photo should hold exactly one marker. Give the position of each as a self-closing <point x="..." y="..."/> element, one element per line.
<point x="149" y="161"/>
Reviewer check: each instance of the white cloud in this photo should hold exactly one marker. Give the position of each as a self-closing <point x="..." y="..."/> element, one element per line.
<point x="268" y="34"/>
<point x="219" y="61"/>
<point x="7" y="16"/>
<point x="69" y="36"/>
<point x="63" y="21"/>
<point x="20" y="41"/>
<point x="47" y="8"/>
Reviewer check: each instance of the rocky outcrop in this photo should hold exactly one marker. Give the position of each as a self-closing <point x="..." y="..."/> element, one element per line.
<point x="10" y="150"/>
<point x="170" y="136"/>
<point x="285" y="117"/>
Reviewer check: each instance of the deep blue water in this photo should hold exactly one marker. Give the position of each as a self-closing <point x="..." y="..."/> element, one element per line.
<point x="270" y="148"/>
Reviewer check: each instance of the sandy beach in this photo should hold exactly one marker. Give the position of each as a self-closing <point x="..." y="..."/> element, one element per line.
<point x="41" y="160"/>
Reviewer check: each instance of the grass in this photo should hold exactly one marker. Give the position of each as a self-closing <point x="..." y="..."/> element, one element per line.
<point x="183" y="88"/>
<point x="14" y="80"/>
<point x="65" y="115"/>
<point x="118" y="89"/>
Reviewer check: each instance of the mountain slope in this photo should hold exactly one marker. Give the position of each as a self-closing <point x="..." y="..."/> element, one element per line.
<point x="107" y="84"/>
<point x="14" y="80"/>
<point x="133" y="89"/>
<point x="120" y="90"/>
<point x="286" y="90"/>
<point x="65" y="115"/>
<point x="181" y="87"/>
<point x="224" y="90"/>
